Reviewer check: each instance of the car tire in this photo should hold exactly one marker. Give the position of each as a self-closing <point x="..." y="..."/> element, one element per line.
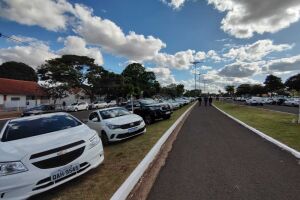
<point x="148" y="119"/>
<point x="104" y="138"/>
<point x="167" y="117"/>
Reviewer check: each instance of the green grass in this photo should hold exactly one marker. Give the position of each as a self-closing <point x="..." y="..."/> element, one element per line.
<point x="120" y="160"/>
<point x="277" y="125"/>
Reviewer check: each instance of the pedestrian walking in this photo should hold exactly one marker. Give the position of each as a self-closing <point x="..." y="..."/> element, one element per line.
<point x="64" y="105"/>
<point x="199" y="101"/>
<point x="205" y="100"/>
<point x="210" y="100"/>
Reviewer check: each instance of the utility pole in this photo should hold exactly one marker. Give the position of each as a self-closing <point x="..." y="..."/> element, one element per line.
<point x="195" y="73"/>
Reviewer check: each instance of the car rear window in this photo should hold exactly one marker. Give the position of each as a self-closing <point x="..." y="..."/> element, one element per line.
<point x="30" y="127"/>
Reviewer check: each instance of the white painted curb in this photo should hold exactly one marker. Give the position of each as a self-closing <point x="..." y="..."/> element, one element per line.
<point x="263" y="135"/>
<point x="9" y="118"/>
<point x="134" y="177"/>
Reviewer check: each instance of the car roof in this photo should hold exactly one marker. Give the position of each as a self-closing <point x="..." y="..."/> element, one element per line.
<point x="103" y="109"/>
<point x="38" y="116"/>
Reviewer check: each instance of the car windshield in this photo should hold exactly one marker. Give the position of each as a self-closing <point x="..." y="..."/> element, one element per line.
<point x="112" y="113"/>
<point x="74" y="104"/>
<point x="37" y="108"/>
<point x="148" y="101"/>
<point x="29" y="127"/>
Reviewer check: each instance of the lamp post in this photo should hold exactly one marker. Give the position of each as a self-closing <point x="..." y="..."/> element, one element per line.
<point x="195" y="67"/>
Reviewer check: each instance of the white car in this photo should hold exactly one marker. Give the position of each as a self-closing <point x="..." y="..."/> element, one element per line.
<point x="173" y="104"/>
<point x="99" y="104"/>
<point x="112" y="103"/>
<point x="78" y="106"/>
<point x="114" y="124"/>
<point x="255" y="101"/>
<point x="292" y="102"/>
<point x="38" y="153"/>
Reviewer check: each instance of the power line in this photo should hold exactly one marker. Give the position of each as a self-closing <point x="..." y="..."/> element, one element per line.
<point x="12" y="39"/>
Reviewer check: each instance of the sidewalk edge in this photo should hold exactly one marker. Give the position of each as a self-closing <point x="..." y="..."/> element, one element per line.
<point x="263" y="135"/>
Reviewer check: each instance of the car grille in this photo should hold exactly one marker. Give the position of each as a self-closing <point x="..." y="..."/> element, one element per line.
<point x="130" y="125"/>
<point x="126" y="135"/>
<point x="46" y="182"/>
<point x="59" y="160"/>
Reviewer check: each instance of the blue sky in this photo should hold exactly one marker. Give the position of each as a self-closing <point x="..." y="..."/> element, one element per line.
<point x="164" y="35"/>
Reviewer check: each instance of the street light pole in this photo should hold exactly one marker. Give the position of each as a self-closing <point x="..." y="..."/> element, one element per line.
<point x="195" y="73"/>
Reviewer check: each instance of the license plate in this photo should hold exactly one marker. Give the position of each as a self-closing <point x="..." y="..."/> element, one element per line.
<point x="64" y="172"/>
<point x="168" y="112"/>
<point x="130" y="130"/>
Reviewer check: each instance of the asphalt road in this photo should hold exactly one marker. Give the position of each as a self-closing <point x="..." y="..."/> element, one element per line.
<point x="216" y="158"/>
<point x="288" y="109"/>
<point x="81" y="115"/>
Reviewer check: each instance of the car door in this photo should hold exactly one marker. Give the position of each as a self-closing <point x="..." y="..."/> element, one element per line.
<point x="94" y="122"/>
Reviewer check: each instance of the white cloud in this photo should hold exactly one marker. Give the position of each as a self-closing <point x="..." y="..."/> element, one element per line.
<point x="180" y="60"/>
<point x="49" y="14"/>
<point x="203" y="67"/>
<point x="240" y="69"/>
<point x="33" y="55"/>
<point x="284" y="64"/>
<point x="212" y="54"/>
<point x="246" y="17"/>
<point x="256" y="51"/>
<point x="77" y="46"/>
<point x="111" y="38"/>
<point x="163" y="75"/>
<point x="175" y="4"/>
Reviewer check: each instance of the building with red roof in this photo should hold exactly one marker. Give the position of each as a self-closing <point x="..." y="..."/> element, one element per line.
<point x="20" y="94"/>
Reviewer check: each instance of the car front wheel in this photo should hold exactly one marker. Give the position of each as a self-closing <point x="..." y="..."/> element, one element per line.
<point x="104" y="138"/>
<point x="148" y="119"/>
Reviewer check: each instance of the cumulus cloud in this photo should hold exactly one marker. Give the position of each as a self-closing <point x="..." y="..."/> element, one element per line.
<point x="33" y="55"/>
<point x="246" y="17"/>
<point x="111" y="38"/>
<point x="284" y="64"/>
<point x="77" y="46"/>
<point x="175" y="4"/>
<point x="37" y="52"/>
<point x="163" y="75"/>
<point x="49" y="14"/>
<point x="256" y="51"/>
<point x="240" y="69"/>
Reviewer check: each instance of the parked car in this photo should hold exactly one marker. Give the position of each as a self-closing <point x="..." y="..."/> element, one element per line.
<point x="150" y="110"/>
<point x="114" y="124"/>
<point x="78" y="106"/>
<point x="112" y="103"/>
<point x="255" y="101"/>
<point x="267" y="100"/>
<point x="99" y="104"/>
<point x="292" y="102"/>
<point x="38" y="153"/>
<point x="174" y="105"/>
<point x="42" y="109"/>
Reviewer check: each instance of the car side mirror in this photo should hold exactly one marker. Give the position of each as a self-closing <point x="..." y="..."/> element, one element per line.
<point x="95" y="119"/>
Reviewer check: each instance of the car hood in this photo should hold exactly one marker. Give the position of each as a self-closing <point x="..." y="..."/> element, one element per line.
<point x="18" y="149"/>
<point x="126" y="119"/>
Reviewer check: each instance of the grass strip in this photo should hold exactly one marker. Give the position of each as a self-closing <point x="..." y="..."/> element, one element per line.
<point x="279" y="126"/>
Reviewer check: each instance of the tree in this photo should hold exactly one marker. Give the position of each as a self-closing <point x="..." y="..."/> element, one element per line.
<point x="71" y="71"/>
<point x="193" y="93"/>
<point x="140" y="80"/>
<point x="230" y="89"/>
<point x="179" y="89"/>
<point x="18" y="71"/>
<point x="293" y="83"/>
<point x="257" y="89"/>
<point x="243" y="89"/>
<point x="273" y="84"/>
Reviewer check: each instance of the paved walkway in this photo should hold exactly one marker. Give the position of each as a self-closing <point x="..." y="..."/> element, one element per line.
<point x="214" y="158"/>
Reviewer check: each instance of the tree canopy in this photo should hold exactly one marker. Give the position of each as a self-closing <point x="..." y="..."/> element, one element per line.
<point x="293" y="83"/>
<point x="273" y="84"/>
<point x="18" y="71"/>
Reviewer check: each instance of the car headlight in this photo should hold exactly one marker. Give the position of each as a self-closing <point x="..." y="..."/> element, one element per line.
<point x="112" y="126"/>
<point x="8" y="168"/>
<point x="94" y="141"/>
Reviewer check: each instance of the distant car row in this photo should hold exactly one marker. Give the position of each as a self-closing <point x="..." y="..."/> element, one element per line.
<point x="50" y="149"/>
<point x="269" y="100"/>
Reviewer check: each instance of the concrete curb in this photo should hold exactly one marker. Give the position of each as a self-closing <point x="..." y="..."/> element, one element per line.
<point x="263" y="135"/>
<point x="125" y="189"/>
